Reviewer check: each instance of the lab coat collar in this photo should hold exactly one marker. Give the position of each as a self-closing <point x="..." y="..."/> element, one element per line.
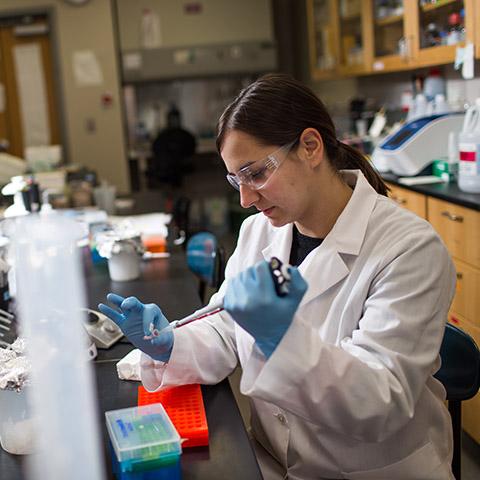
<point x="346" y="237"/>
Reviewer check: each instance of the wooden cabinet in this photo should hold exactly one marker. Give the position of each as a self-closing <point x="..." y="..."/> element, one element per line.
<point x="391" y="44"/>
<point x="354" y="37"/>
<point x="476" y="27"/>
<point x="459" y="228"/>
<point x="338" y="42"/>
<point x="467" y="293"/>
<point x="426" y="23"/>
<point x="354" y="21"/>
<point x="323" y="38"/>
<point x="413" y="201"/>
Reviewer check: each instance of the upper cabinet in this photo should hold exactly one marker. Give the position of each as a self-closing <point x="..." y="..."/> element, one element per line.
<point x="437" y="28"/>
<point x="367" y="36"/>
<point x="338" y="37"/>
<point x="476" y="27"/>
<point x="390" y="39"/>
<point x="323" y="38"/>
<point x="355" y="44"/>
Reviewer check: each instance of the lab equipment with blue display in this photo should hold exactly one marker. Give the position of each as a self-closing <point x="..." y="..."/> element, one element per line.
<point x="411" y="149"/>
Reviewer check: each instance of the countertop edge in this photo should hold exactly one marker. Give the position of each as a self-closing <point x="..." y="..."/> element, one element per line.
<point x="448" y="192"/>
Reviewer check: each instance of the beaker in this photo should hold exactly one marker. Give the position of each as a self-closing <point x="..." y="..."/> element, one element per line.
<point x="16" y="422"/>
<point x="124" y="265"/>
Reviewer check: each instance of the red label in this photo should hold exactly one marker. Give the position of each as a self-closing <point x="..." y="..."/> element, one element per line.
<point x="468" y="156"/>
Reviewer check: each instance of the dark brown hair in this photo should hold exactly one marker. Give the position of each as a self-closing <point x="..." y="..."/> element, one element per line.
<point x="276" y="109"/>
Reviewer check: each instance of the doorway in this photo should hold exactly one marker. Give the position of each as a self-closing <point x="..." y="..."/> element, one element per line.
<point x="28" y="101"/>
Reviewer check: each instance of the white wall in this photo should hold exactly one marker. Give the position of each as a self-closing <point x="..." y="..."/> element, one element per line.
<point x="87" y="27"/>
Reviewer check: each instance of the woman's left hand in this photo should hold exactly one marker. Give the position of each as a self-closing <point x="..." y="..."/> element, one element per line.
<point x="252" y="302"/>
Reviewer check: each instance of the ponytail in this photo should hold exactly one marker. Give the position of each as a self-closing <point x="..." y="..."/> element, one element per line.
<point x="349" y="158"/>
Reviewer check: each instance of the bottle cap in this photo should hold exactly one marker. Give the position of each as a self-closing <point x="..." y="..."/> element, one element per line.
<point x="454" y="19"/>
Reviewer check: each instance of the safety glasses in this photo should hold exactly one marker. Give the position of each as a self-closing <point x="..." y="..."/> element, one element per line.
<point x="257" y="174"/>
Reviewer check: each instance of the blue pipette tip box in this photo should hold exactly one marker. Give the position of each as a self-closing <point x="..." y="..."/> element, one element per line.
<point x="145" y="444"/>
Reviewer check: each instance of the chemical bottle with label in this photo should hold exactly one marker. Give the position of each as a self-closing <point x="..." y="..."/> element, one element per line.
<point x="469" y="151"/>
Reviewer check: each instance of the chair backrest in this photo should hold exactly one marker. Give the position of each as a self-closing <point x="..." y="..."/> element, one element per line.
<point x="206" y="258"/>
<point x="460" y="370"/>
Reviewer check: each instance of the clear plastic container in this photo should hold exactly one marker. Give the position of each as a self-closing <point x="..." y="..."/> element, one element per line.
<point x="16" y="423"/>
<point x="50" y="295"/>
<point x="145" y="443"/>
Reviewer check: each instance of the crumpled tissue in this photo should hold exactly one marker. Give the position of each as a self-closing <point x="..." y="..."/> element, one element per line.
<point x="128" y="368"/>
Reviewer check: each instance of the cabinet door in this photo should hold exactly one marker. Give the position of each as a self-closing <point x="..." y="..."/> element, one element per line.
<point x="390" y="41"/>
<point x="322" y="18"/>
<point x="413" y="201"/>
<point x="467" y="300"/>
<point x="354" y="24"/>
<point x="476" y="25"/>
<point x="437" y="28"/>
<point x="459" y="228"/>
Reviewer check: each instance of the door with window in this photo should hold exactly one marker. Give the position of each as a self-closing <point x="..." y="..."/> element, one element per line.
<point x="28" y="107"/>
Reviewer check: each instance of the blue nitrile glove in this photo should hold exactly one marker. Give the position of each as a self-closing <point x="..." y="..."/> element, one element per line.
<point x="252" y="302"/>
<point x="134" y="320"/>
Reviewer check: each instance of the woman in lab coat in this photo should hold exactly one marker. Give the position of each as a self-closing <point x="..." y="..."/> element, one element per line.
<point x="339" y="373"/>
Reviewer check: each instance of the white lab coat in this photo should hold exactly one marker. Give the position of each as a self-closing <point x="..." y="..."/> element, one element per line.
<point x="349" y="391"/>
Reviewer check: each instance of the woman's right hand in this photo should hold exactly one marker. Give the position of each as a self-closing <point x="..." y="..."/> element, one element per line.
<point x="137" y="320"/>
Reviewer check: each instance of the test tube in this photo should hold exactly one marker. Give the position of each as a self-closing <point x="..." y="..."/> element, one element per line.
<point x="50" y="295"/>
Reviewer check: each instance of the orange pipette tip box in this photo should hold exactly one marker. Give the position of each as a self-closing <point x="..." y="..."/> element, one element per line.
<point x="184" y="406"/>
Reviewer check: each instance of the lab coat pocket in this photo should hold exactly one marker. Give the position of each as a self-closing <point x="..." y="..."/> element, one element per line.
<point x="422" y="464"/>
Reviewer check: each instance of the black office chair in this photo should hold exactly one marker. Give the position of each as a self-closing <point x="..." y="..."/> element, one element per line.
<point x="460" y="375"/>
<point x="206" y="258"/>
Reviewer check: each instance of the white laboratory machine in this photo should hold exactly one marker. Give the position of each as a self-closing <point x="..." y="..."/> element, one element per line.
<point x="411" y="149"/>
<point x="103" y="331"/>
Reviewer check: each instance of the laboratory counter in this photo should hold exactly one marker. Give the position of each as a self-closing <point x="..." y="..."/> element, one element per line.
<point x="169" y="283"/>
<point x="444" y="191"/>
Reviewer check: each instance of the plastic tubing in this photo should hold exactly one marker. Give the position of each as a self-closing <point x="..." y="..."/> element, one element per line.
<point x="50" y="294"/>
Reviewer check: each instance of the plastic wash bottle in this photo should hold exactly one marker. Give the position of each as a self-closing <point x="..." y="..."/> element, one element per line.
<point x="469" y="151"/>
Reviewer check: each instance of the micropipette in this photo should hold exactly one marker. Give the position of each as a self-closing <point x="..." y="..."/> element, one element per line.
<point x="281" y="281"/>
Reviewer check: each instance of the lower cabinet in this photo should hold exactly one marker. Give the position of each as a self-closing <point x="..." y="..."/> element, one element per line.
<point x="413" y="201"/>
<point x="459" y="228"/>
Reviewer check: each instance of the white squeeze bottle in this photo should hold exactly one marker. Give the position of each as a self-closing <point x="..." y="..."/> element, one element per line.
<point x="469" y="151"/>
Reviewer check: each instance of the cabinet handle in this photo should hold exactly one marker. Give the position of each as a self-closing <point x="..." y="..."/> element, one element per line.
<point x="409" y="48"/>
<point x="400" y="201"/>
<point x="406" y="55"/>
<point x="453" y="217"/>
<point x="459" y="275"/>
